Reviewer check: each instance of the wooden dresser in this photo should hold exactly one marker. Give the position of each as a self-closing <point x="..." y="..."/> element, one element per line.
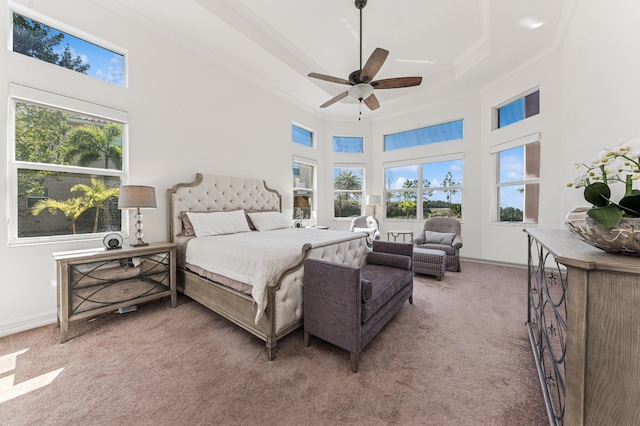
<point x="584" y="326"/>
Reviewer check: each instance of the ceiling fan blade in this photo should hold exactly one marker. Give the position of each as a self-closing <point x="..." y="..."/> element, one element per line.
<point x="335" y="99"/>
<point x="329" y="78"/>
<point x="372" y="102"/>
<point x="373" y="65"/>
<point x="394" y="83"/>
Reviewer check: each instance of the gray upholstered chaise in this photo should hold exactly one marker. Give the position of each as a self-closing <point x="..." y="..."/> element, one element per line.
<point x="348" y="306"/>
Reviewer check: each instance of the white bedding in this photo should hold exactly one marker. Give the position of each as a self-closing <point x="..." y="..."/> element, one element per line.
<point x="256" y="258"/>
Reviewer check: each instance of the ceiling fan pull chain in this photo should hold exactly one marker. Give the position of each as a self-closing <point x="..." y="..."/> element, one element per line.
<point x="360" y="108"/>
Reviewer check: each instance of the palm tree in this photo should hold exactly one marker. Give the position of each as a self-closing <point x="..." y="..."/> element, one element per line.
<point x="345" y="180"/>
<point x="72" y="208"/>
<point x="96" y="196"/>
<point x="89" y="144"/>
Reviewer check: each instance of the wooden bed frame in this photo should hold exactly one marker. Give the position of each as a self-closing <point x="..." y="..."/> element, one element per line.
<point x="217" y="193"/>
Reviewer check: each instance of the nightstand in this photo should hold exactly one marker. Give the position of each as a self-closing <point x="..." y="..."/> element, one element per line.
<point x="96" y="281"/>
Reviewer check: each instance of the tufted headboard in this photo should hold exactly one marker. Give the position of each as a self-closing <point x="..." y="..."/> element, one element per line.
<point x="218" y="193"/>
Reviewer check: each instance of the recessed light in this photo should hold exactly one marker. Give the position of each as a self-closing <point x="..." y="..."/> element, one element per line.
<point x="531" y="23"/>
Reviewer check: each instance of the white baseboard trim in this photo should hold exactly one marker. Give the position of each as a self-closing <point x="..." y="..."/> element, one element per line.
<point x="27" y="323"/>
<point x="493" y="262"/>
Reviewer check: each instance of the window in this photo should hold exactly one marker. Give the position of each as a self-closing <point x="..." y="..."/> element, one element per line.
<point x="347" y="191"/>
<point x="518" y="171"/>
<point x="46" y="43"/>
<point x="424" y="136"/>
<point x="517" y="110"/>
<point x="401" y="195"/>
<point x="442" y="189"/>
<point x="347" y="144"/>
<point x="301" y="136"/>
<point x="424" y="190"/>
<point x="303" y="203"/>
<point x="66" y="165"/>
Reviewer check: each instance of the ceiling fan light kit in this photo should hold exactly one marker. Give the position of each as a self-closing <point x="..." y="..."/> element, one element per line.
<point x="361" y="80"/>
<point x="360" y="91"/>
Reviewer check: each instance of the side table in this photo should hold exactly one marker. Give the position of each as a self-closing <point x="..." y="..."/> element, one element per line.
<point x="96" y="281"/>
<point x="396" y="234"/>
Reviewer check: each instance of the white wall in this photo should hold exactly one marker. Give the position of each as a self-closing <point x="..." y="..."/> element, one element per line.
<point x="506" y="241"/>
<point x="600" y="82"/>
<point x="182" y="121"/>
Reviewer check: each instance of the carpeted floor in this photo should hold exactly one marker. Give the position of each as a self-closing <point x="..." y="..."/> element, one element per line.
<point x="459" y="355"/>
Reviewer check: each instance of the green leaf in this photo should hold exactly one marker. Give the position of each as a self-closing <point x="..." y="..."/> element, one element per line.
<point x="631" y="205"/>
<point x="597" y="194"/>
<point x="608" y="216"/>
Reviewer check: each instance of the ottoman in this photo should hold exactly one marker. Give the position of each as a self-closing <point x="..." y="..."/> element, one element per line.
<point x="429" y="262"/>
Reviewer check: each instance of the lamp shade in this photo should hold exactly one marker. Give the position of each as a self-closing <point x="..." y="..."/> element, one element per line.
<point x="301" y="201"/>
<point x="137" y="196"/>
<point x="374" y="199"/>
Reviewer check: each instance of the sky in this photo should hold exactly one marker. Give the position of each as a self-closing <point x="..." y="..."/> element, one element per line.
<point x="104" y="64"/>
<point x="512" y="169"/>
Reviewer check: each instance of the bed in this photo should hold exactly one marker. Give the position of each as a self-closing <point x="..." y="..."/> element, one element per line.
<point x="264" y="298"/>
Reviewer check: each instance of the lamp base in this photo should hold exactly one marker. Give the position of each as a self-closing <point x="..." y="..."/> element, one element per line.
<point x="139" y="243"/>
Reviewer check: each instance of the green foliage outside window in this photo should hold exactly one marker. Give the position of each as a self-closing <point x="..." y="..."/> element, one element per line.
<point x="46" y="136"/>
<point x="31" y="38"/>
<point x="511" y="214"/>
<point x="347" y="198"/>
<point x="441" y="201"/>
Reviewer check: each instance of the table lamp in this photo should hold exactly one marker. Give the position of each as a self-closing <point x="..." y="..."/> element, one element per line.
<point x="137" y="197"/>
<point x="373" y="200"/>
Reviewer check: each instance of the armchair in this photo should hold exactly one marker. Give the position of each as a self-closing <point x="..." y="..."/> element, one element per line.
<point x="367" y="224"/>
<point x="442" y="233"/>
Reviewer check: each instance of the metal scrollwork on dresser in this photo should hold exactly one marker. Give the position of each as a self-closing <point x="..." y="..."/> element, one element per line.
<point x="584" y="326"/>
<point x="547" y="325"/>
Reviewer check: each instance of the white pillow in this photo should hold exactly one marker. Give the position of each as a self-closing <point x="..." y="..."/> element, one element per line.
<point x="218" y="223"/>
<point x="445" y="238"/>
<point x="370" y="231"/>
<point x="267" y="221"/>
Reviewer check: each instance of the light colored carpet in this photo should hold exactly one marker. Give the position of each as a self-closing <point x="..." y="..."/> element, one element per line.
<point x="459" y="355"/>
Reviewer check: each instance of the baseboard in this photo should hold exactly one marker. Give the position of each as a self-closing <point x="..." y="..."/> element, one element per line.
<point x="27" y="323"/>
<point x="493" y="262"/>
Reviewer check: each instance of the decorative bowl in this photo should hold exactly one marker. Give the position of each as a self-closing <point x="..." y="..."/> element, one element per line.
<point x="622" y="239"/>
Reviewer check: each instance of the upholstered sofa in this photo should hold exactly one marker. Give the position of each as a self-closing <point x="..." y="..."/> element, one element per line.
<point x="347" y="306"/>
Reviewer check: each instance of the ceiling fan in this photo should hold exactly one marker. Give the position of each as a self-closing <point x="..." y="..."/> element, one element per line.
<point x="361" y="80"/>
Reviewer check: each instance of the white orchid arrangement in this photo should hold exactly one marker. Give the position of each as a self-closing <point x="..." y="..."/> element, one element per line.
<point x="617" y="165"/>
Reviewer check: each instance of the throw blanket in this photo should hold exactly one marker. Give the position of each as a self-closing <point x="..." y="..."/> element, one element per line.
<point x="255" y="258"/>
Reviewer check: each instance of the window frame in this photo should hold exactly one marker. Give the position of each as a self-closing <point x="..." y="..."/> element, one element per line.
<point x="72" y="31"/>
<point x="419" y="190"/>
<point x="351" y="191"/>
<point x="425" y="128"/>
<point x="495" y="111"/>
<point x="313" y="190"/>
<point x="348" y="137"/>
<point x="19" y="93"/>
<point x="495" y="150"/>
<point x="312" y="135"/>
